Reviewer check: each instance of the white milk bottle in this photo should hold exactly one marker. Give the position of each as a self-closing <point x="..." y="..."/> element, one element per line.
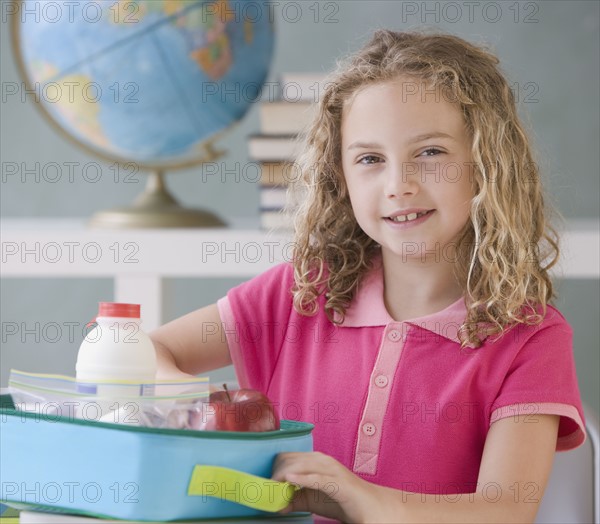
<point x="114" y="360"/>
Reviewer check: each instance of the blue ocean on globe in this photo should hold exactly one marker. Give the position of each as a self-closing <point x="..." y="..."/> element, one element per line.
<point x="146" y="81"/>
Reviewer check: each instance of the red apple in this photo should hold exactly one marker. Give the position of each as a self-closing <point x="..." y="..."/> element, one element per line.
<point x="237" y="410"/>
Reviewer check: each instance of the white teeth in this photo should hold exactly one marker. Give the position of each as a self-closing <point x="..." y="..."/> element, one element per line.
<point x="409" y="217"/>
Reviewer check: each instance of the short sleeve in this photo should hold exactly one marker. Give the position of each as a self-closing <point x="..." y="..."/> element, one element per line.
<point x="542" y="380"/>
<point x="255" y="316"/>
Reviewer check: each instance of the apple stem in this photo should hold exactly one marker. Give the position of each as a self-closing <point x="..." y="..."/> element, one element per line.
<point x="226" y="391"/>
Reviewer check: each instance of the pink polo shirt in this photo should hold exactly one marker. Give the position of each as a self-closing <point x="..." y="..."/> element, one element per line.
<point x="398" y="403"/>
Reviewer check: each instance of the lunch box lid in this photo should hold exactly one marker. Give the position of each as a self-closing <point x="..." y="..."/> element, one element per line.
<point x="289" y="428"/>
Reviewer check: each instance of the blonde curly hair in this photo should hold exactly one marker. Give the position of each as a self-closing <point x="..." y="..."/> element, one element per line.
<point x="507" y="247"/>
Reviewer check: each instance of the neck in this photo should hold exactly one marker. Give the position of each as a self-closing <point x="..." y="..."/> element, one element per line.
<point x="414" y="288"/>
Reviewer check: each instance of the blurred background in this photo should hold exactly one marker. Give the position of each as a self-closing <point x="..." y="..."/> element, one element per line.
<point x="549" y="50"/>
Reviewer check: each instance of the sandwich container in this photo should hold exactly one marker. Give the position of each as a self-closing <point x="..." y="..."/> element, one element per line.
<point x="70" y="465"/>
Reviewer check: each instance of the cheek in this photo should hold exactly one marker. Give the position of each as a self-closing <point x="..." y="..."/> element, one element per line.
<point x="362" y="207"/>
<point x="463" y="205"/>
<point x="455" y="203"/>
<point x="352" y="190"/>
<point x="356" y="203"/>
<point x="460" y="191"/>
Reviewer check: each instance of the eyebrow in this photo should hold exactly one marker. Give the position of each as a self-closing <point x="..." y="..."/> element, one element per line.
<point x="414" y="139"/>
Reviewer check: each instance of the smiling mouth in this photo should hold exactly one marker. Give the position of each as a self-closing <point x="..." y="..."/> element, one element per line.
<point x="410" y="217"/>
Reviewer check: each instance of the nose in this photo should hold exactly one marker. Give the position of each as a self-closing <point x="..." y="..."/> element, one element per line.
<point x="402" y="179"/>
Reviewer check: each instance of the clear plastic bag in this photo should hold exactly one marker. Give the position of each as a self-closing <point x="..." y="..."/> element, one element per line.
<point x="162" y="404"/>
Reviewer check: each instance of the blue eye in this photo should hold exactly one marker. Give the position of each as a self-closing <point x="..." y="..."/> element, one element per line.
<point x="360" y="161"/>
<point x="433" y="150"/>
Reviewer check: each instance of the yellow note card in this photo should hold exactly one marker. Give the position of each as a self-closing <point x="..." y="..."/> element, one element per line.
<point x="242" y="488"/>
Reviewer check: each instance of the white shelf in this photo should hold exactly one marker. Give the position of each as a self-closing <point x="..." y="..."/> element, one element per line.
<point x="139" y="259"/>
<point x="67" y="248"/>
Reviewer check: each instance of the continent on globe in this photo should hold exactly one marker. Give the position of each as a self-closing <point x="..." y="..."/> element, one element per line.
<point x="215" y="57"/>
<point x="82" y="111"/>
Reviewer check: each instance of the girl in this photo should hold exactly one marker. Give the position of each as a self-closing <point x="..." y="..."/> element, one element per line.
<point x="413" y="325"/>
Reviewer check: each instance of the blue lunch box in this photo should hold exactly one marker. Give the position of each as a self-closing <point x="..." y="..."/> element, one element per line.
<point x="117" y="471"/>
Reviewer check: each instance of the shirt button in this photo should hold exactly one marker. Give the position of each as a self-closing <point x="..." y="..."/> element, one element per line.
<point x="381" y="381"/>
<point x="369" y="429"/>
<point x="394" y="335"/>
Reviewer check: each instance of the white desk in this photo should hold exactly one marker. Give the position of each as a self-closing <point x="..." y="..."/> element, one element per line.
<point x="140" y="259"/>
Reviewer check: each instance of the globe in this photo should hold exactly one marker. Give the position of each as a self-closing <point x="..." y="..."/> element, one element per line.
<point x="153" y="83"/>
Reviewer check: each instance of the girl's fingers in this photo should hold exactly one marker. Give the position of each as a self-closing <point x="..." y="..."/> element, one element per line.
<point x="287" y="463"/>
<point x="308" y="480"/>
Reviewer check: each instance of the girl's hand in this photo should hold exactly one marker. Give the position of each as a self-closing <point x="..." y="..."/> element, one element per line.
<point x="328" y="488"/>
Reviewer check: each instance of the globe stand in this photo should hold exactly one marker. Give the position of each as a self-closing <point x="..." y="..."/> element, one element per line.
<point x="155" y="208"/>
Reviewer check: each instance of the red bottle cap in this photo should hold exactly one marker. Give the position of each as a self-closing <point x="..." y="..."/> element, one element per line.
<point x="115" y="309"/>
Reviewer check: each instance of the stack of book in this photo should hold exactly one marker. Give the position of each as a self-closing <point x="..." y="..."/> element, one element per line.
<point x="275" y="148"/>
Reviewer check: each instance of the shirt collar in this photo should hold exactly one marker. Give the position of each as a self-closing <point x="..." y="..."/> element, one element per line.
<point x="368" y="309"/>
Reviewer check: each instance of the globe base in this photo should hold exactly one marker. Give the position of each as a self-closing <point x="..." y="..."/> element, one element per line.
<point x="175" y="217"/>
<point x="156" y="207"/>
